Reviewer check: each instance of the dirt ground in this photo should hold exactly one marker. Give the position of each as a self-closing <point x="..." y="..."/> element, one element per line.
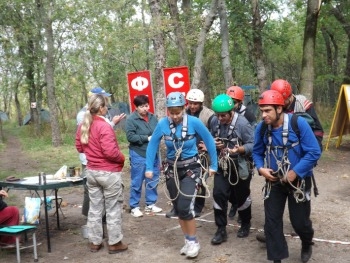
<point x="154" y="238"/>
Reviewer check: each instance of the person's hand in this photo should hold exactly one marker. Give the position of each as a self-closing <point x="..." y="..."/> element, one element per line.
<point x="3" y="193"/>
<point x="291" y="176"/>
<point x="212" y="172"/>
<point x="149" y="175"/>
<point x="234" y="150"/>
<point x="117" y="118"/>
<point x="267" y="173"/>
<point x="149" y="138"/>
<point x="219" y="144"/>
<point x="202" y="147"/>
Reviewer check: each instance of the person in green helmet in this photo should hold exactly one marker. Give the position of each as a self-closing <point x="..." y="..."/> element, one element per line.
<point x="234" y="139"/>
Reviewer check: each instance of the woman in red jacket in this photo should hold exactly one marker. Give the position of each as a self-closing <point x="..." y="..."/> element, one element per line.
<point x="95" y="137"/>
<point x="9" y="216"/>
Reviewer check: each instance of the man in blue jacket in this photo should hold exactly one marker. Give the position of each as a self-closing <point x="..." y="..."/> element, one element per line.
<point x="286" y="160"/>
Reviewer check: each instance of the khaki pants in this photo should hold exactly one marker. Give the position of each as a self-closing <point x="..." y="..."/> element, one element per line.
<point x="106" y="194"/>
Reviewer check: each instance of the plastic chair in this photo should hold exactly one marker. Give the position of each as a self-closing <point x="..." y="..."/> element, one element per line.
<point x="17" y="231"/>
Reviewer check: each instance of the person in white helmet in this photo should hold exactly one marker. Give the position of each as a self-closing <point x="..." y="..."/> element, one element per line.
<point x="195" y="107"/>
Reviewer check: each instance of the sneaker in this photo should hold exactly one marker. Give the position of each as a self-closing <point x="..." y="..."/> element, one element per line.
<point x="192" y="249"/>
<point x="183" y="250"/>
<point x="135" y="212"/>
<point x="153" y="209"/>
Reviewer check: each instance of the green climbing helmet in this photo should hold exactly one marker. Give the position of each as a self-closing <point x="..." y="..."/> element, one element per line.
<point x="222" y="103"/>
<point x="175" y="99"/>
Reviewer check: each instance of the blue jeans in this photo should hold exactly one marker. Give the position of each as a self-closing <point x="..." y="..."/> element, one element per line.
<point x="138" y="168"/>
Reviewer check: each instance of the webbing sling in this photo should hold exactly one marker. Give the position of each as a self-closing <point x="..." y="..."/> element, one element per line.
<point x="285" y="133"/>
<point x="184" y="130"/>
<point x="230" y="129"/>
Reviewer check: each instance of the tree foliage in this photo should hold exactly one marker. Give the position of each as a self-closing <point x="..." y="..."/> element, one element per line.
<point x="98" y="43"/>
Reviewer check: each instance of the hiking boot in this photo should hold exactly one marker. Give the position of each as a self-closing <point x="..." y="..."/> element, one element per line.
<point x="183" y="250"/>
<point x="152" y="209"/>
<point x="220" y="236"/>
<point x="306" y="252"/>
<point x="197" y="214"/>
<point x="136" y="212"/>
<point x="232" y="212"/>
<point x="244" y="230"/>
<point x="193" y="248"/>
<point x="117" y="248"/>
<point x="171" y="213"/>
<point x="260" y="236"/>
<point x="95" y="248"/>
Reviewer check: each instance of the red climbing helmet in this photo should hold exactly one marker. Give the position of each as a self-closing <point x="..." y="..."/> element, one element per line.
<point x="283" y="87"/>
<point x="271" y="97"/>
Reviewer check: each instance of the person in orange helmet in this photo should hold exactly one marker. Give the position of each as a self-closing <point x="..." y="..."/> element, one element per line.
<point x="237" y="95"/>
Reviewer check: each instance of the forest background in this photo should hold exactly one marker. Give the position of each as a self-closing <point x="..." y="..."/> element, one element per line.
<point x="54" y="51"/>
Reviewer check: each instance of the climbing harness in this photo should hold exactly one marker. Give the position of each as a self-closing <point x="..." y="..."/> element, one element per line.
<point x="280" y="154"/>
<point x="226" y="161"/>
<point x="178" y="144"/>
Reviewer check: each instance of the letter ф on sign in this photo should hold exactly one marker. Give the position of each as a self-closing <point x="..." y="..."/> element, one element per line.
<point x="176" y="79"/>
<point x="139" y="83"/>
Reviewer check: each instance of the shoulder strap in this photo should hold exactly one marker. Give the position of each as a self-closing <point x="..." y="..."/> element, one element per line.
<point x="294" y="124"/>
<point x="230" y="129"/>
<point x="184" y="129"/>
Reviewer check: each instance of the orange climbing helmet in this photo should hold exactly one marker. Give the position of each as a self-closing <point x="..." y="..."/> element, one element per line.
<point x="236" y="93"/>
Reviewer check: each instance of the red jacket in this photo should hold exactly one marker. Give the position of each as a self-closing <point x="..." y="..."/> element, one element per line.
<point x="102" y="150"/>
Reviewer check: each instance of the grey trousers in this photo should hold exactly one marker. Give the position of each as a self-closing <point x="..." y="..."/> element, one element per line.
<point x="106" y="194"/>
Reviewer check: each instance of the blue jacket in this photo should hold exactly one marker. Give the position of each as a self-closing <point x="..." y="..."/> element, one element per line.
<point x="302" y="156"/>
<point x="195" y="127"/>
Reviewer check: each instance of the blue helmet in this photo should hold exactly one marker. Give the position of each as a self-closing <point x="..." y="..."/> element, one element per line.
<point x="175" y="99"/>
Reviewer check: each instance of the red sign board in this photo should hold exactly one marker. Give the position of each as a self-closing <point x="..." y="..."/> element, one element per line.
<point x="139" y="83"/>
<point x="176" y="79"/>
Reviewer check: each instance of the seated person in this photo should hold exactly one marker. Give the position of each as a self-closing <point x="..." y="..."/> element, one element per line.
<point x="9" y="216"/>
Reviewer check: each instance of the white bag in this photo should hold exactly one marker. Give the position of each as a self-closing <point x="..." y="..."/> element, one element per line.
<point x="32" y="210"/>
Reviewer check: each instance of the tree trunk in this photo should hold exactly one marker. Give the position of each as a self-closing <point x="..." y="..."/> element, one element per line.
<point x="159" y="49"/>
<point x="49" y="70"/>
<point x="327" y="36"/>
<point x="307" y="66"/>
<point x="179" y="33"/>
<point x="197" y="71"/>
<point x="225" y="48"/>
<point x="258" y="50"/>
<point x="346" y="26"/>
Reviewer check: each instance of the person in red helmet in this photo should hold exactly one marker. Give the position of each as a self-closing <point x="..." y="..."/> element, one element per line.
<point x="286" y="160"/>
<point x="298" y="103"/>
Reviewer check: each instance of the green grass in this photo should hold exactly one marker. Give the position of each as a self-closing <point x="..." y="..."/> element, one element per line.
<point x="40" y="149"/>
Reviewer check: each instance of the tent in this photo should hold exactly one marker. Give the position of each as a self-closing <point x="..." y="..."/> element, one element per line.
<point x="3" y="116"/>
<point x="341" y="124"/>
<point x="44" y="115"/>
